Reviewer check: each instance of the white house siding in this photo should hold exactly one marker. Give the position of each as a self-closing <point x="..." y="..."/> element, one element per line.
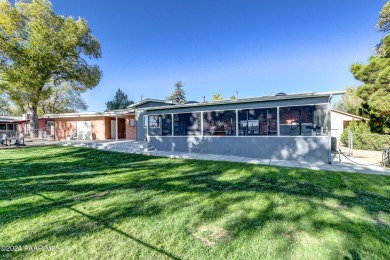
<point x="337" y="123"/>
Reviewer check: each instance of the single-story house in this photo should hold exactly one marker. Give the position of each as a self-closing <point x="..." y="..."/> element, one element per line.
<point x="286" y="127"/>
<point x="118" y="124"/>
<point x="12" y="125"/>
<point x="340" y="121"/>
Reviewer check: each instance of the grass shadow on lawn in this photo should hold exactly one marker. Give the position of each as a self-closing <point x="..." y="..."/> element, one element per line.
<point x="111" y="189"/>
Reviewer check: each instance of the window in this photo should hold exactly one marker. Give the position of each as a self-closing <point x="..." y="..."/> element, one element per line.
<point x="304" y="120"/>
<point x="258" y="122"/>
<point x="187" y="124"/>
<point x="132" y="122"/>
<point x="3" y="127"/>
<point x="154" y="121"/>
<point x="162" y="125"/>
<point x="220" y="123"/>
<point x="10" y="127"/>
<point x="166" y="125"/>
<point x="145" y="121"/>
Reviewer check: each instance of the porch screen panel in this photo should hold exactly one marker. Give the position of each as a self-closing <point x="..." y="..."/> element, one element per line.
<point x="160" y="125"/>
<point x="187" y="124"/>
<point x="257" y="122"/>
<point x="312" y="120"/>
<point x="166" y="125"/>
<point x="219" y="123"/>
<point x="154" y="125"/>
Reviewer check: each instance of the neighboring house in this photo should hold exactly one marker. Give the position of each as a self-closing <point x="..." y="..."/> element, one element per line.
<point x="340" y="121"/>
<point x="286" y="127"/>
<point x="90" y="125"/>
<point x="118" y="124"/>
<point x="12" y="125"/>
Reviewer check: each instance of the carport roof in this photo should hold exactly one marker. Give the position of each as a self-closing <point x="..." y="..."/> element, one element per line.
<point x="89" y="114"/>
<point x="11" y="119"/>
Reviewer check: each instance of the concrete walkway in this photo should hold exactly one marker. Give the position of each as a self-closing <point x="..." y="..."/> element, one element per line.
<point x="344" y="166"/>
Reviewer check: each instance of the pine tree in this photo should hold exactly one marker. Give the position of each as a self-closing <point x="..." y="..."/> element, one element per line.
<point x="120" y="101"/>
<point x="178" y="96"/>
<point x="375" y="91"/>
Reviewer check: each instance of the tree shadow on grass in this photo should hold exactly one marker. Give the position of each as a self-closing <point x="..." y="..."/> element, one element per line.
<point x="197" y="181"/>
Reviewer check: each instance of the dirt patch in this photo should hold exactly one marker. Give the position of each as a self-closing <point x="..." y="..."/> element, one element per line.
<point x="211" y="235"/>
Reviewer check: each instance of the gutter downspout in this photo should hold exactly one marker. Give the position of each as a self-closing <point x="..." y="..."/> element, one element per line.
<point x="329" y="130"/>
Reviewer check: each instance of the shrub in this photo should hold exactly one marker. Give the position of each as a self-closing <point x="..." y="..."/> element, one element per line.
<point x="363" y="139"/>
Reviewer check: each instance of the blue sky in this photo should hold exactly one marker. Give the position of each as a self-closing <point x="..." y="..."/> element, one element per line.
<point x="254" y="47"/>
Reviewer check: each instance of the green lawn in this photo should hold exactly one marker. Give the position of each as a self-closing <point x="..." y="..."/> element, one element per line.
<point x="89" y="204"/>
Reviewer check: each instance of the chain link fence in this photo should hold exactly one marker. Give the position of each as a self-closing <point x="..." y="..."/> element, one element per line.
<point x="370" y="142"/>
<point x="371" y="147"/>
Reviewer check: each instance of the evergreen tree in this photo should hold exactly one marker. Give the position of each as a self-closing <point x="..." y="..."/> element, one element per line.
<point x="178" y="96"/>
<point x="375" y="91"/>
<point x="120" y="101"/>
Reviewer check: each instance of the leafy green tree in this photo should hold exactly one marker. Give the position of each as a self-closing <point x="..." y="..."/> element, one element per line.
<point x="375" y="91"/>
<point x="350" y="102"/>
<point x="63" y="99"/>
<point x="178" y="96"/>
<point x="217" y="97"/>
<point x="38" y="47"/>
<point x="5" y="107"/>
<point x="120" y="101"/>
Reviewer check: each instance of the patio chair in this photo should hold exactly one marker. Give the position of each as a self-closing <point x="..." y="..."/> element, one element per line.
<point x="88" y="135"/>
<point x="3" y="139"/>
<point x="20" y="140"/>
<point x="80" y="135"/>
<point x="73" y="136"/>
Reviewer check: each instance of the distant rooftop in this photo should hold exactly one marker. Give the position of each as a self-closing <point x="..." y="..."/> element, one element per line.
<point x="11" y="119"/>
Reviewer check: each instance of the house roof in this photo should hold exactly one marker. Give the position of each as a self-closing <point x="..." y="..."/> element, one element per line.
<point x="254" y="99"/>
<point x="11" y="119"/>
<point x="132" y="108"/>
<point x="350" y="115"/>
<point x="142" y="102"/>
<point x="87" y="114"/>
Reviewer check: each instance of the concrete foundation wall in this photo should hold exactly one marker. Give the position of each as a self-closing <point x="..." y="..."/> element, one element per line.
<point x="310" y="149"/>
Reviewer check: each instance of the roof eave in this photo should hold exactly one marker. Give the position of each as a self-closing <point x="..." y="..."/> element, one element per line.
<point x="254" y="99"/>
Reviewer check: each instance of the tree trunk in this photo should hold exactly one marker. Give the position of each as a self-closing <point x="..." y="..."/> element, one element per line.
<point x="33" y="120"/>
